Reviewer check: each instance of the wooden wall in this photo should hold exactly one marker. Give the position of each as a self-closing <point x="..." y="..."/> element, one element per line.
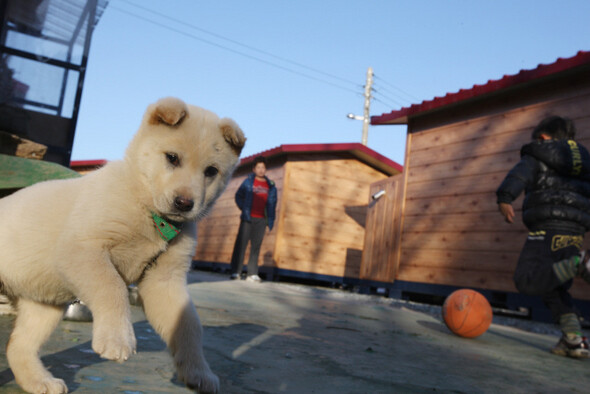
<point x="453" y="233"/>
<point x="321" y="225"/>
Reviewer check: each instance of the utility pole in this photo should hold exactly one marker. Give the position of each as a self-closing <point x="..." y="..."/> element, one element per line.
<point x="367" y="107"/>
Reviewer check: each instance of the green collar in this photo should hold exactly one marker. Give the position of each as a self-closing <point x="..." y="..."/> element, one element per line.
<point x="166" y="230"/>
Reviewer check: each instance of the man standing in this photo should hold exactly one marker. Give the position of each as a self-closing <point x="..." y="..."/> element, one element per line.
<point x="257" y="199"/>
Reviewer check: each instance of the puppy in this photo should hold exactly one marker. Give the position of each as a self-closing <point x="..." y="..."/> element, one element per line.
<point x="132" y="221"/>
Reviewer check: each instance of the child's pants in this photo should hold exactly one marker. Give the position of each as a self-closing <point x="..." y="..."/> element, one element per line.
<point x="534" y="273"/>
<point x="252" y="232"/>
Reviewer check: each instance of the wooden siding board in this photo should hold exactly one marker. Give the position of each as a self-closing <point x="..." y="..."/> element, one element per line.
<point x="464" y="260"/>
<point x="501" y="281"/>
<point x="461" y="222"/>
<point x="325" y="230"/>
<point x="508" y="144"/>
<point x="489" y="123"/>
<point x="458" y="186"/>
<point x="476" y="202"/>
<point x="475" y="241"/>
<point x="436" y="165"/>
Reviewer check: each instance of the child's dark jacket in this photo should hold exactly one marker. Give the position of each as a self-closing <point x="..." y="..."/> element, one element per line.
<point x="555" y="176"/>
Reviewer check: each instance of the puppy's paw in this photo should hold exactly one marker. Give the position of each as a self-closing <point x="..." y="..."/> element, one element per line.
<point x="112" y="344"/>
<point x="47" y="385"/>
<point x="201" y="380"/>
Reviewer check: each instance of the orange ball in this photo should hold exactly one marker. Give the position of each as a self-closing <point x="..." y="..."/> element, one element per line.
<point x="467" y="313"/>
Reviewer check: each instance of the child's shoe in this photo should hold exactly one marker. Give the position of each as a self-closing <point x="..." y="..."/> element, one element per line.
<point x="253" y="278"/>
<point x="584" y="266"/>
<point x="234" y="276"/>
<point x="572" y="345"/>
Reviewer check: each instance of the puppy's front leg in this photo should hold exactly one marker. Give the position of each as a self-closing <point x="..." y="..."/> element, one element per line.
<point x="171" y="312"/>
<point x="99" y="285"/>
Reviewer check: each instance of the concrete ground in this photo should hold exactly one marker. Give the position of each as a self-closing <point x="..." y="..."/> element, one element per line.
<point x="282" y="338"/>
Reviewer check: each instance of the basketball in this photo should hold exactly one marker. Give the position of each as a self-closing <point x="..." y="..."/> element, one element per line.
<point x="467" y="313"/>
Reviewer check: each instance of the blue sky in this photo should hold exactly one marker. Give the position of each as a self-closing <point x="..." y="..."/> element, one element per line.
<point x="289" y="71"/>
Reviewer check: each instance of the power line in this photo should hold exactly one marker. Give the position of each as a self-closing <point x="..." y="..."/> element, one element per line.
<point x="391" y="95"/>
<point x="378" y="92"/>
<point x="386" y="104"/>
<point x="410" y="96"/>
<point x="233" y="50"/>
<point x="383" y="103"/>
<point x="266" y="53"/>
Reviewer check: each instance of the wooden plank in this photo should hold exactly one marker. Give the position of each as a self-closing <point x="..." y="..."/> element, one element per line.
<point x="484" y="280"/>
<point x="468" y="148"/>
<point x="14" y="145"/>
<point x="219" y="249"/>
<point x="462" y="222"/>
<point x="293" y="257"/>
<point x="466" y="158"/>
<point x="462" y="271"/>
<point x="476" y="202"/>
<point x="347" y="199"/>
<point x="301" y="241"/>
<point x="350" y="233"/>
<point x="482" y="164"/>
<point x="348" y="266"/>
<point x="349" y="169"/>
<point x="345" y="190"/>
<point x="325" y="209"/>
<point x="284" y="201"/>
<point x="463" y="260"/>
<point x="307" y="266"/>
<point x="500" y="281"/>
<point x="522" y="119"/>
<point x="229" y="236"/>
<point x="347" y="236"/>
<point x="474" y="241"/>
<point x="455" y="187"/>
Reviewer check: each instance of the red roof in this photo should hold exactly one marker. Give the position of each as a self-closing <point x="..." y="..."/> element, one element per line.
<point x="87" y="163"/>
<point x="360" y="151"/>
<point x="402" y="115"/>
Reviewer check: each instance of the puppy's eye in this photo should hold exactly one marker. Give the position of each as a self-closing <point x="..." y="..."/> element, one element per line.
<point x="211" y="171"/>
<point x="173" y="159"/>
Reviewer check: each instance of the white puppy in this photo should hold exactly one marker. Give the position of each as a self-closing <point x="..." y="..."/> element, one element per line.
<point x="133" y="221"/>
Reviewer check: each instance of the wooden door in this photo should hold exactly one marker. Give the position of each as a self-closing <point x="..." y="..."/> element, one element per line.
<point x="381" y="252"/>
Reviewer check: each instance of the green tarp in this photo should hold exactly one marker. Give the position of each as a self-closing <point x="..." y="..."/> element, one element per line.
<point x="17" y="172"/>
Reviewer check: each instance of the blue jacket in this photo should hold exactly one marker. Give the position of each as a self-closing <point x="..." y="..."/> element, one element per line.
<point x="244" y="197"/>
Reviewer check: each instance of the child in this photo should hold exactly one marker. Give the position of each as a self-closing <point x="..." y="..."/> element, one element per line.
<point x="554" y="172"/>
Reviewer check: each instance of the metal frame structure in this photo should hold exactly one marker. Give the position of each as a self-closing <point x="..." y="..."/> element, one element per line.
<point x="80" y="34"/>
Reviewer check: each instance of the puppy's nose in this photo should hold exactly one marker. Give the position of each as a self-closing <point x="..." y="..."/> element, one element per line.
<point x="183" y="204"/>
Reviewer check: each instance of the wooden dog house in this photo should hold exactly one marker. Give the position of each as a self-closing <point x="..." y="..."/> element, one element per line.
<point x="322" y="201"/>
<point x="459" y="148"/>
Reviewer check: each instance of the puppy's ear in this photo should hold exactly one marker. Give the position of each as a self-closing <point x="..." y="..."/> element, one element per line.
<point x="232" y="134"/>
<point x="169" y="110"/>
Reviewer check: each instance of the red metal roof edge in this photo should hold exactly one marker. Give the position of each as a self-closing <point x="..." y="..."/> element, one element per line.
<point x="87" y="163"/>
<point x="543" y="70"/>
<point x="361" y="151"/>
